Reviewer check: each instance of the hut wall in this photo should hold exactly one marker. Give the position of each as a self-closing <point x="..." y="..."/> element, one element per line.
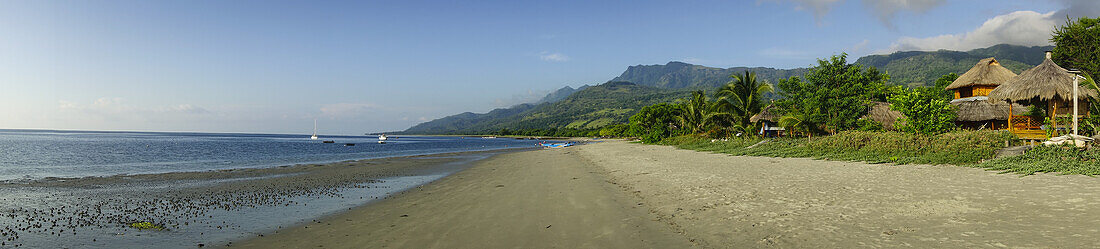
<point x="964" y="92"/>
<point x="1066" y="107"/>
<point x="971" y="91"/>
<point x="982" y="90"/>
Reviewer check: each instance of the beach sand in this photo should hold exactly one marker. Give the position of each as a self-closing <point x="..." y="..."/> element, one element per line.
<point x="616" y="194"/>
<point x="534" y="199"/>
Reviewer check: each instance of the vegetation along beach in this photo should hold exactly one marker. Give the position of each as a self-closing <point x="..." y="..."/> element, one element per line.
<point x="565" y="124"/>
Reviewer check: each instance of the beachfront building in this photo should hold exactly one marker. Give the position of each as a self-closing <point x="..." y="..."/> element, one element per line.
<point x="975" y="110"/>
<point x="881" y="113"/>
<point x="768" y="118"/>
<point x="1049" y="88"/>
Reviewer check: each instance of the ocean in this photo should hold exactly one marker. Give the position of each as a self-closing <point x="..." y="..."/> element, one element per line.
<point x="36" y="154"/>
<point x="91" y="189"/>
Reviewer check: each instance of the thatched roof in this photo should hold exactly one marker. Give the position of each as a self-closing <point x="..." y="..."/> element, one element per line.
<point x="769" y="113"/>
<point x="1046" y="81"/>
<point x="979" y="109"/>
<point x="880" y="112"/>
<point x="987" y="72"/>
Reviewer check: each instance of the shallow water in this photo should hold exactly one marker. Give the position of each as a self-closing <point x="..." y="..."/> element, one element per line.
<point x="215" y="209"/>
<point x="210" y="227"/>
<point x="36" y="154"/>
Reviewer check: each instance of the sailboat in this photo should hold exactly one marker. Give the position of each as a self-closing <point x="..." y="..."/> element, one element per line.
<point x="382" y="138"/>
<point x="314" y="137"/>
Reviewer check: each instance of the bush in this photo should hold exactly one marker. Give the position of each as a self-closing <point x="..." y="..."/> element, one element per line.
<point x="1066" y="160"/>
<point x="959" y="148"/>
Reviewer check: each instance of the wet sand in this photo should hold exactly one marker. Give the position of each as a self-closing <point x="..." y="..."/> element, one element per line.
<point x="209" y="208"/>
<point x="622" y="195"/>
<point x="535" y="199"/>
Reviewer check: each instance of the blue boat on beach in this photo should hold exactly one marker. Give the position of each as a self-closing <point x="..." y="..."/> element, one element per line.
<point x="558" y="145"/>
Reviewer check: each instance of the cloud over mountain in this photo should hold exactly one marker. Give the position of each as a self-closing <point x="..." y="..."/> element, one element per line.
<point x="1026" y="28"/>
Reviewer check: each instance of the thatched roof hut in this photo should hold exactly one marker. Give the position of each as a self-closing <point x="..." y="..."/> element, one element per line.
<point x="988" y="72"/>
<point x="978" y="108"/>
<point x="880" y="112"/>
<point x="769" y="113"/>
<point x="1048" y="81"/>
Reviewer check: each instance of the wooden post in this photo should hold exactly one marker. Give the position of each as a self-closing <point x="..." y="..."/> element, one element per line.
<point x="1054" y="116"/>
<point x="1010" y="129"/>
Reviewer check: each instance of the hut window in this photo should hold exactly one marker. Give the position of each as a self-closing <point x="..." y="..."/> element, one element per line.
<point x="966" y="92"/>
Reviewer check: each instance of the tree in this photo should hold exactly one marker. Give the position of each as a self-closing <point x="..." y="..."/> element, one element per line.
<point x="654" y="122"/>
<point x="1077" y="45"/>
<point x="833" y="95"/>
<point x="699" y="115"/>
<point x="741" y="97"/>
<point x="926" y="111"/>
<point x="942" y="84"/>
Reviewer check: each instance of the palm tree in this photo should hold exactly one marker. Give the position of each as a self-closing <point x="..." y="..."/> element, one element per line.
<point x="698" y="114"/>
<point x="742" y="96"/>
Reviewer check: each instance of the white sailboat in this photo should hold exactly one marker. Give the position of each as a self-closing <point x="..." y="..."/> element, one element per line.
<point x="382" y="138"/>
<point x="314" y="137"/>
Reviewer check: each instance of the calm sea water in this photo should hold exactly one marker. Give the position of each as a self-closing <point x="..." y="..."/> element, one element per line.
<point x="35" y="154"/>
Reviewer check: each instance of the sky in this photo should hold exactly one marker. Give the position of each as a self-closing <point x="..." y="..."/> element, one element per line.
<point x="375" y="66"/>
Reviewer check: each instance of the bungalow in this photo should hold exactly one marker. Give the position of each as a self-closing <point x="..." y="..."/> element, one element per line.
<point x="1049" y="87"/>
<point x="975" y="110"/>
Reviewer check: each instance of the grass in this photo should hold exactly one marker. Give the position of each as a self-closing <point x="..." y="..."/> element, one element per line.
<point x="956" y="148"/>
<point x="1064" y="160"/>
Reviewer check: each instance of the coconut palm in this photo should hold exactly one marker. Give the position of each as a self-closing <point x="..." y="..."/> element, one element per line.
<point x="699" y="115"/>
<point x="796" y="122"/>
<point x="742" y="96"/>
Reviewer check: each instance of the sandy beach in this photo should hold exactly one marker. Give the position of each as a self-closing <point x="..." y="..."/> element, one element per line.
<point x="615" y="194"/>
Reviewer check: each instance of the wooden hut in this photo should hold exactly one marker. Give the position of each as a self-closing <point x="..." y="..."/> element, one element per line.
<point x="971" y="102"/>
<point x="1047" y="86"/>
<point x="881" y="113"/>
<point x="768" y="118"/>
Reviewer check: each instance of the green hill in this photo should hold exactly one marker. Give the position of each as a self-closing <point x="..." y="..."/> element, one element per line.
<point x="919" y="68"/>
<point x="590" y="108"/>
<point x="677" y="75"/>
<point x="596" y="106"/>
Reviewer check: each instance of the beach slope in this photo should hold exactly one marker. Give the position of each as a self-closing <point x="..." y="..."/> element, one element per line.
<point x="616" y="194"/>
<point x="534" y="199"/>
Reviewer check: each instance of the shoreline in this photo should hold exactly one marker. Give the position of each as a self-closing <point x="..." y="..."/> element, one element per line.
<point x="531" y="199"/>
<point x="614" y="194"/>
<point x="208" y="207"/>
<point x="224" y="173"/>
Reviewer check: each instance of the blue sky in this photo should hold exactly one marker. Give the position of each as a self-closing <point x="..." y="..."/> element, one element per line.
<point x="368" y="66"/>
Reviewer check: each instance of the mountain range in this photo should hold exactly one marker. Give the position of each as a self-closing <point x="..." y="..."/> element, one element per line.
<point x="592" y="107"/>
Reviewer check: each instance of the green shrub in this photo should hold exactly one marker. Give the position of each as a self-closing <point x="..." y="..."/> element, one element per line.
<point x="1049" y="159"/>
<point x="962" y="147"/>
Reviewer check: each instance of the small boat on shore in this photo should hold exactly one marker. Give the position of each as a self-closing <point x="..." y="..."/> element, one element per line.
<point x="557" y="145"/>
<point x="328" y="142"/>
<point x="349" y="144"/>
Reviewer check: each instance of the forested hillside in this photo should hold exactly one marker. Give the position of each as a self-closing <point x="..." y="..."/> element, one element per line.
<point x="919" y="68"/>
<point x="590" y="108"/>
<point x="587" y="108"/>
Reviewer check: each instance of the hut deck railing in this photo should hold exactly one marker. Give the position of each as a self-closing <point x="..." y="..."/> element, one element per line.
<point x="1025" y="123"/>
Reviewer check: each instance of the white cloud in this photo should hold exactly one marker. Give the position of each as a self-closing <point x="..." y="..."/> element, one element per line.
<point x="554" y="57"/>
<point x="1027" y="28"/>
<point x="859" y="46"/>
<point x="816" y="7"/>
<point x="885" y="10"/>
<point x="118" y="107"/>
<point x="1078" y="8"/>
<point x="531" y="96"/>
<point x="783" y="53"/>
<point x="346" y="110"/>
